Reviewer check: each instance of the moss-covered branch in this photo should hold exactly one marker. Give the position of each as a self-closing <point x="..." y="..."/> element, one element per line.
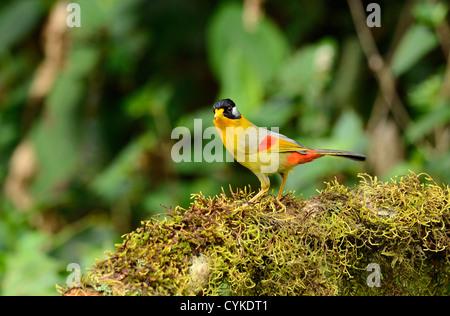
<point x="318" y="246"/>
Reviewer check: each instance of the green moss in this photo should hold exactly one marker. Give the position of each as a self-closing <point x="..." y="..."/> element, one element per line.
<point x="319" y="246"/>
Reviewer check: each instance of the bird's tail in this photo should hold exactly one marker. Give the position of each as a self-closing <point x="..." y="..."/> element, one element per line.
<point x="341" y="153"/>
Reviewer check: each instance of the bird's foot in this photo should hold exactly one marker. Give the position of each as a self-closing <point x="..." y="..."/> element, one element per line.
<point x="281" y="204"/>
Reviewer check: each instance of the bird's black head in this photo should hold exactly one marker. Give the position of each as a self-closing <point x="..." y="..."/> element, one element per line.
<point x="229" y="109"/>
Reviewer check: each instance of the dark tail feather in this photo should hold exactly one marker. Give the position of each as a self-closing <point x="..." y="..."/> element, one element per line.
<point x="341" y="153"/>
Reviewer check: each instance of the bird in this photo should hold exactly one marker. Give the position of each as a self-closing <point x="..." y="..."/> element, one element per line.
<point x="262" y="151"/>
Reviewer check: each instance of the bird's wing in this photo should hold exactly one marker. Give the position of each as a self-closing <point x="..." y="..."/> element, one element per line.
<point x="257" y="139"/>
<point x="276" y="142"/>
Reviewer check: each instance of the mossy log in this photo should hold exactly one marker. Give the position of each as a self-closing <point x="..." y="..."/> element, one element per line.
<point x="323" y="245"/>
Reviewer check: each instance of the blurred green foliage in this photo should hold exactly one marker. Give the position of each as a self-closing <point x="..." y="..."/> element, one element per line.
<point x="86" y="113"/>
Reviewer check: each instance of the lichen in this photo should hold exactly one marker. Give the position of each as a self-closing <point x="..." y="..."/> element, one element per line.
<point x="317" y="246"/>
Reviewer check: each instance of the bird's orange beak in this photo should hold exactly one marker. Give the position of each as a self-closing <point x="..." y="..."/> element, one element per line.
<point x="218" y="113"/>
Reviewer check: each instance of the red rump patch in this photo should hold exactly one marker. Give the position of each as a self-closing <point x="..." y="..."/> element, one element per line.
<point x="296" y="158"/>
<point x="267" y="142"/>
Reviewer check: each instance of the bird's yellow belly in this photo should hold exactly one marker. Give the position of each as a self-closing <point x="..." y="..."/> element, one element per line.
<point x="265" y="162"/>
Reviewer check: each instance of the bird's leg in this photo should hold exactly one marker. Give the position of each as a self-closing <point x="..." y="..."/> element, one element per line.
<point x="284" y="177"/>
<point x="261" y="192"/>
<point x="265" y="185"/>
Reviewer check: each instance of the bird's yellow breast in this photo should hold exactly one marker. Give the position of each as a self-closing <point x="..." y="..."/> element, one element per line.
<point x="242" y="139"/>
<point x="230" y="130"/>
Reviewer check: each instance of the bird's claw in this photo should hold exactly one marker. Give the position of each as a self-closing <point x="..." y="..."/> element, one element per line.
<point x="281" y="204"/>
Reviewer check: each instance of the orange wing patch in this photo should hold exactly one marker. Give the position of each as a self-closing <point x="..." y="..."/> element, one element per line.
<point x="267" y="142"/>
<point x="296" y="158"/>
<point x="280" y="143"/>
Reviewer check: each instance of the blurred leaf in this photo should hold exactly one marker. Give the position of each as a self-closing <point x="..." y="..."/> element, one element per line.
<point x="29" y="269"/>
<point x="426" y="95"/>
<point x="84" y="241"/>
<point x="8" y="133"/>
<point x="200" y="168"/>
<point x="189" y="119"/>
<point x="439" y="164"/>
<point x="428" y="122"/>
<point x="82" y="61"/>
<point x="308" y="71"/>
<point x="346" y="76"/>
<point x="94" y="16"/>
<point x="240" y="82"/>
<point x="119" y="177"/>
<point x="125" y="28"/>
<point x="433" y="111"/>
<point x="55" y="137"/>
<point x="298" y="72"/>
<point x="431" y="13"/>
<point x="274" y="113"/>
<point x="152" y="99"/>
<point x="307" y="74"/>
<point x="124" y="15"/>
<point x="153" y="200"/>
<point x="348" y="130"/>
<point x="244" y="59"/>
<point x="264" y="49"/>
<point x="17" y="20"/>
<point x="408" y="52"/>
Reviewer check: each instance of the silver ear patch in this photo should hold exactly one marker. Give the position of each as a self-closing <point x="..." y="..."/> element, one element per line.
<point x="235" y="112"/>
